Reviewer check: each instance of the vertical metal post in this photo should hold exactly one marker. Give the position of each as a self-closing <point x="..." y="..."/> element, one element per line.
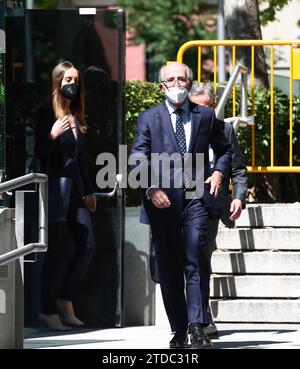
<point x="244" y="94"/>
<point x="272" y="107"/>
<point x="19" y="270"/>
<point x="221" y="36"/>
<point x="10" y="306"/>
<point x="291" y="109"/>
<point x="253" y="105"/>
<point x="199" y="65"/>
<point x="215" y="68"/>
<point x="43" y="212"/>
<point x="120" y="316"/>
<point x="233" y="87"/>
<point x="29" y="4"/>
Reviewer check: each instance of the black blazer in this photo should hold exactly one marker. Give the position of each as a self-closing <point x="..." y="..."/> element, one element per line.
<point x="238" y="167"/>
<point x="238" y="170"/>
<point x="238" y="174"/>
<point x="64" y="157"/>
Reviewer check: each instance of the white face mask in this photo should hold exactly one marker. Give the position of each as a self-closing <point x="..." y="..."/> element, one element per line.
<point x="176" y="95"/>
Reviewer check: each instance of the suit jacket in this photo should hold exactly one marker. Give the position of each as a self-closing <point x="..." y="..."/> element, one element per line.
<point x="238" y="174"/>
<point x="155" y="134"/>
<point x="238" y="171"/>
<point x="64" y="157"/>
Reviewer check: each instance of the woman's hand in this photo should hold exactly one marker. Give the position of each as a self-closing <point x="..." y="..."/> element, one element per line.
<point x="59" y="127"/>
<point x="90" y="202"/>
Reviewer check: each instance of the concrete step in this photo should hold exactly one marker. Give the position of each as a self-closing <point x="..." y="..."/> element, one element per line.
<point x="265" y="286"/>
<point x="258" y="239"/>
<point x="256" y="311"/>
<point x="242" y="310"/>
<point x="270" y="215"/>
<point x="256" y="262"/>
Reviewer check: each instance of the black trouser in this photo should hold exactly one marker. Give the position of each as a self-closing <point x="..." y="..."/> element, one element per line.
<point x="180" y="240"/>
<point x="70" y="248"/>
<point x="213" y="225"/>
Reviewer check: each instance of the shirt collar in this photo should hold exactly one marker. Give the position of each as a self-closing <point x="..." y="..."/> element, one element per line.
<point x="171" y="107"/>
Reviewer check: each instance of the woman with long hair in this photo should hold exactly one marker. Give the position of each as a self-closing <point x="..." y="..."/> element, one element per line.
<point x="60" y="129"/>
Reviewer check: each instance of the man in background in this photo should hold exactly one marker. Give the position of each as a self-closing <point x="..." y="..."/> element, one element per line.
<point x="203" y="94"/>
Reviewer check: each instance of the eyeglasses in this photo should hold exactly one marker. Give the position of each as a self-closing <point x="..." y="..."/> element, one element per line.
<point x="171" y="81"/>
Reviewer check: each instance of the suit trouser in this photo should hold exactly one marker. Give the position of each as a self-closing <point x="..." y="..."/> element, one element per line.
<point x="70" y="248"/>
<point x="213" y="225"/>
<point x="181" y="262"/>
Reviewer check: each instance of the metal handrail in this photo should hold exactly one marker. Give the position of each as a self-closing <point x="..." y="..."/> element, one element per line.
<point x="293" y="46"/>
<point x="111" y="193"/>
<point x="190" y="44"/>
<point x="243" y="120"/>
<point x="221" y="105"/>
<point x="40" y="246"/>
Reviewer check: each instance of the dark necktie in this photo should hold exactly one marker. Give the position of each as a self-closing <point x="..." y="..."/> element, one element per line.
<point x="179" y="134"/>
<point x="181" y="141"/>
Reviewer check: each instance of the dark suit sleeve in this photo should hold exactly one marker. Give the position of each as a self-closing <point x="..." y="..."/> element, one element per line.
<point x="238" y="169"/>
<point x="142" y="139"/>
<point x="221" y="147"/>
<point x="141" y="150"/>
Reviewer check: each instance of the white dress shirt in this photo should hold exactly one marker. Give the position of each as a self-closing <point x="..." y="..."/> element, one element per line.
<point x="186" y="119"/>
<point x="187" y="125"/>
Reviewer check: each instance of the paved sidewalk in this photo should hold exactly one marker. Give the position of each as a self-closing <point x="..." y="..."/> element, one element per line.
<point x="233" y="336"/>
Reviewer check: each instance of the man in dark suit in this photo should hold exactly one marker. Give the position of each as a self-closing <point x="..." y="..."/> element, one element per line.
<point x="179" y="222"/>
<point x="204" y="94"/>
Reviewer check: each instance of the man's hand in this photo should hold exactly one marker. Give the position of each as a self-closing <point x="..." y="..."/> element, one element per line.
<point x="236" y="207"/>
<point x="215" y="182"/>
<point x="159" y="198"/>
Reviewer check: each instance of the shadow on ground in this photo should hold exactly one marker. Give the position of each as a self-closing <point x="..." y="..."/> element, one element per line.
<point x="273" y="331"/>
<point x="41" y="338"/>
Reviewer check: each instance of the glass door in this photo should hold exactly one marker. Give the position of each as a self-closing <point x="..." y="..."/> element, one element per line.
<point x="37" y="40"/>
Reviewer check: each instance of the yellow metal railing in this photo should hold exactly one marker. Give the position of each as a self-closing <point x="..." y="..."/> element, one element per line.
<point x="294" y="72"/>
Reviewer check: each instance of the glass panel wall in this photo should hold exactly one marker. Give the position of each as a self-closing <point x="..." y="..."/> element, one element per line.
<point x="38" y="40"/>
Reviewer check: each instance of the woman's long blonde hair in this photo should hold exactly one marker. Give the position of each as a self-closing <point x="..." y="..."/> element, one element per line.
<point x="59" y="104"/>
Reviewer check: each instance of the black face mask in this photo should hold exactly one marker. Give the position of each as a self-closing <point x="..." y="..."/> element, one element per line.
<point x="70" y="91"/>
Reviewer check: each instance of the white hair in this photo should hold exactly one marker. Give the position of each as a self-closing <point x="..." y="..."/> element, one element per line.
<point x="188" y="73"/>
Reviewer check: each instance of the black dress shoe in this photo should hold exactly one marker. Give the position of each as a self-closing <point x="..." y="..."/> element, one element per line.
<point x="199" y="339"/>
<point x="211" y="330"/>
<point x="180" y="340"/>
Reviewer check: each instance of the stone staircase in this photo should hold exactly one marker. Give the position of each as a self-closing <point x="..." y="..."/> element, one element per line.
<point x="256" y="267"/>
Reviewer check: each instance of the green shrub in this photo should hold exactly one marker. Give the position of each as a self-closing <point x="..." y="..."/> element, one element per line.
<point x="139" y="96"/>
<point x="262" y="113"/>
